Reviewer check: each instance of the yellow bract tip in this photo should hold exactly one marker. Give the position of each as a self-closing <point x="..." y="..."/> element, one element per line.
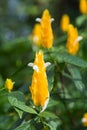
<point x="36" y="34"/>
<point x="83" y="6"/>
<point x="65" y="21"/>
<point x="9" y="84"/>
<point x="72" y="42"/>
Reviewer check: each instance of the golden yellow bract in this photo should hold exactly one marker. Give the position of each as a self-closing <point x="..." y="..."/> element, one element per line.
<point x="36" y="34"/>
<point x="9" y="84"/>
<point x="83" y="6"/>
<point x="47" y="34"/>
<point x="65" y="21"/>
<point x="39" y="86"/>
<point x="72" y="42"/>
<point x="84" y="120"/>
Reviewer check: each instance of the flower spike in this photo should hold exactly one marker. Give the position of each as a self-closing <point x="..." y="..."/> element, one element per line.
<point x="36" y="34"/>
<point x="9" y="84"/>
<point x="65" y="21"/>
<point x="39" y="86"/>
<point x="73" y="40"/>
<point x="83" y="6"/>
<point x="84" y="120"/>
<point x="47" y="34"/>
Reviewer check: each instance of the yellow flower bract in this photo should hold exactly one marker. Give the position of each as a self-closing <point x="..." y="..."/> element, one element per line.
<point x="65" y="22"/>
<point x="83" y="6"/>
<point x="39" y="86"/>
<point x="36" y="34"/>
<point x="9" y="84"/>
<point x="47" y="34"/>
<point x="85" y="120"/>
<point x="72" y="43"/>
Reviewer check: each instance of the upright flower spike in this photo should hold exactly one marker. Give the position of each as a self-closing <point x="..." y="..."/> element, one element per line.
<point x="84" y="120"/>
<point x="36" y="34"/>
<point x="65" y="21"/>
<point x="9" y="84"/>
<point x="39" y="86"/>
<point x="73" y="40"/>
<point x="47" y="33"/>
<point x="83" y="6"/>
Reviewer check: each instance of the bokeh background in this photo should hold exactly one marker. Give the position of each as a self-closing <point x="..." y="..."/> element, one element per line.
<point x="17" y="18"/>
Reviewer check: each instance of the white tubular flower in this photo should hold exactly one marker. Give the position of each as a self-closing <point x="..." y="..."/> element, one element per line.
<point x="35" y="67"/>
<point x="38" y="20"/>
<point x="52" y="19"/>
<point x="79" y="38"/>
<point x="47" y="64"/>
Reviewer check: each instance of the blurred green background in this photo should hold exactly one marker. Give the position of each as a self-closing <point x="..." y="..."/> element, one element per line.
<point x="17" y="18"/>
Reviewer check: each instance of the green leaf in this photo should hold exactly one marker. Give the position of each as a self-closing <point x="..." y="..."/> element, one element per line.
<point x="52" y="103"/>
<point x="24" y="126"/>
<point x="81" y="19"/>
<point x="67" y="58"/>
<point x="19" y="95"/>
<point x="29" y="125"/>
<point x="48" y="115"/>
<point x="17" y="101"/>
<point x="18" y="104"/>
<point x="20" y="112"/>
<point x="50" y="126"/>
<point x="76" y="77"/>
